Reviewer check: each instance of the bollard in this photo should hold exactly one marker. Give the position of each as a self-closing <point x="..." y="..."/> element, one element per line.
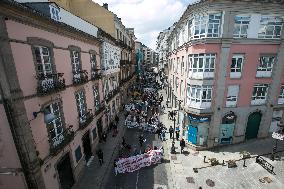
<point x="204" y="159"/>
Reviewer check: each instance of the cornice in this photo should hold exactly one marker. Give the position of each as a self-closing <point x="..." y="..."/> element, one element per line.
<point x="34" y="19"/>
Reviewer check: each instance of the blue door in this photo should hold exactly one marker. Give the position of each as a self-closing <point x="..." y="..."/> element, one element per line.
<point x="192" y="134"/>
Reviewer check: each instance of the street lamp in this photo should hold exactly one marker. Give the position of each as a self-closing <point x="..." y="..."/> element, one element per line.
<point x="278" y="135"/>
<point x="173" y="116"/>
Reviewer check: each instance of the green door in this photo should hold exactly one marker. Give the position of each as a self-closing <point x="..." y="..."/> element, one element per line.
<point x="253" y="125"/>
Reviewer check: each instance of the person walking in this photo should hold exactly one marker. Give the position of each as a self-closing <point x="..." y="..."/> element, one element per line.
<point x="171" y="131"/>
<point x="182" y="145"/>
<point x="104" y="137"/>
<point x="100" y="155"/>
<point x="115" y="166"/>
<point x="177" y="135"/>
<point x="163" y="135"/>
<point x="141" y="140"/>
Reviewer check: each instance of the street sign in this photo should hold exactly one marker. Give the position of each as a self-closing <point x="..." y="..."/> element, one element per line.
<point x="277" y="136"/>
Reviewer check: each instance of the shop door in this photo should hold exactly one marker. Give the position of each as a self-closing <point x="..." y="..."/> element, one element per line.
<point x="192" y="134"/>
<point x="253" y="125"/>
<point x="65" y="173"/>
<point x="87" y="146"/>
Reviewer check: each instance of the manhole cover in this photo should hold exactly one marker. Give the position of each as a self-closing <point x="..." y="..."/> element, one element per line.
<point x="190" y="180"/>
<point x="173" y="157"/>
<point x="159" y="188"/>
<point x="210" y="182"/>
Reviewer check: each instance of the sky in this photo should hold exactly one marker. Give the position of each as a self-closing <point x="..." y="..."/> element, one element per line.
<point x="147" y="17"/>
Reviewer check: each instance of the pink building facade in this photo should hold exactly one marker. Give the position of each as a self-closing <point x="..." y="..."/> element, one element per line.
<point x="226" y="70"/>
<point x="48" y="67"/>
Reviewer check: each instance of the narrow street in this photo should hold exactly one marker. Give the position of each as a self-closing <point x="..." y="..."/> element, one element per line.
<point x="155" y="175"/>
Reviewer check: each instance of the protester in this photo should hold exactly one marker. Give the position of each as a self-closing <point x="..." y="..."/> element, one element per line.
<point x="182" y="145"/>
<point x="177" y="135"/>
<point x="104" y="137"/>
<point x="141" y="140"/>
<point x="115" y="166"/>
<point x="171" y="131"/>
<point x="123" y="142"/>
<point x="116" y="119"/>
<point x="163" y="135"/>
<point x="100" y="155"/>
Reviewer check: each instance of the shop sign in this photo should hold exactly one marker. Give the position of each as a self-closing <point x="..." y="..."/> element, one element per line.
<point x="198" y="118"/>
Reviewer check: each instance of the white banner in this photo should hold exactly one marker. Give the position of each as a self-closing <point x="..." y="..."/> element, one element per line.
<point x="134" y="163"/>
<point x="277" y="136"/>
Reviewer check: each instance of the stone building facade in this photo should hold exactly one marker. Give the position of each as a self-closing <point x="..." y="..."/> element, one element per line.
<point x="226" y="71"/>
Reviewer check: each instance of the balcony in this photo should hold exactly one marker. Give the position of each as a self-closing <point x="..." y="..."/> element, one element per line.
<point x="80" y="77"/>
<point x="60" y="141"/>
<point x="111" y="94"/>
<point x="86" y="119"/>
<point x="48" y="84"/>
<point x="100" y="109"/>
<point x="96" y="74"/>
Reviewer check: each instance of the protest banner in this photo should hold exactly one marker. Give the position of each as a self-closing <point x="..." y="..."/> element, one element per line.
<point x="134" y="163"/>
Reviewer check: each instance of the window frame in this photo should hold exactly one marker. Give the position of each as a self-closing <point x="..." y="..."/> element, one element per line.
<point x="59" y="116"/>
<point x="81" y="105"/>
<point x="242" y="19"/>
<point x="263" y="71"/>
<point x="236" y="73"/>
<point x="264" y="24"/>
<point x="259" y="99"/>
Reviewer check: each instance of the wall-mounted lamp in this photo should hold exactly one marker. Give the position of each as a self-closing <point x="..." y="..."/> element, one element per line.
<point x="48" y="117"/>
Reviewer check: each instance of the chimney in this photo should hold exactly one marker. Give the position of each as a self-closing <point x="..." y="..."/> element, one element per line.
<point x="105" y="5"/>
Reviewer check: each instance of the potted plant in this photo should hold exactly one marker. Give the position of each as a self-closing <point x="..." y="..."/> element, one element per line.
<point x="245" y="154"/>
<point x="232" y="164"/>
<point x="214" y="161"/>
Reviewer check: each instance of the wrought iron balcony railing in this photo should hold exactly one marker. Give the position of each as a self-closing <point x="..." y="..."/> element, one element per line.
<point x="80" y="77"/>
<point x="60" y="141"/>
<point x="96" y="75"/>
<point x="50" y="83"/>
<point x="86" y="119"/>
<point x="100" y="109"/>
<point x="111" y="94"/>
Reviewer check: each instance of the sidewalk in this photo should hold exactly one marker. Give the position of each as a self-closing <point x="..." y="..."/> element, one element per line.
<point x="94" y="175"/>
<point x="222" y="177"/>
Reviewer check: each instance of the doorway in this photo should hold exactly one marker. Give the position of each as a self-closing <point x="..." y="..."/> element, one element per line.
<point x="65" y="172"/>
<point x="192" y="134"/>
<point x="87" y="146"/>
<point x="253" y="125"/>
<point x="100" y="128"/>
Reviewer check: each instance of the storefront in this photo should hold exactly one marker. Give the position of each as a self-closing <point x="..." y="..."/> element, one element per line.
<point x="197" y="129"/>
<point x="227" y="128"/>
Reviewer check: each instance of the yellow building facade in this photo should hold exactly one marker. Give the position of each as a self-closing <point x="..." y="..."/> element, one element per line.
<point x="91" y="12"/>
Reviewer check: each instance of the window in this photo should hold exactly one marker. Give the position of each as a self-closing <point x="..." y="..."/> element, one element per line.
<point x="75" y="59"/>
<point x="96" y="97"/>
<point x="199" y="26"/>
<point x="237" y="66"/>
<point x="201" y="65"/>
<point x="93" y="62"/>
<point x="189" y="24"/>
<point x="214" y="25"/>
<point x="270" y="27"/>
<point x="265" y="66"/>
<point x="259" y="94"/>
<point x="78" y="153"/>
<point x="182" y="65"/>
<point x="54" y="12"/>
<point x="177" y="66"/>
<point x="43" y="60"/>
<point x="199" y="96"/>
<point x="81" y="106"/>
<point x="94" y="132"/>
<point x="232" y="95"/>
<point x="241" y="26"/>
<point x="281" y="96"/>
<point x="55" y="127"/>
